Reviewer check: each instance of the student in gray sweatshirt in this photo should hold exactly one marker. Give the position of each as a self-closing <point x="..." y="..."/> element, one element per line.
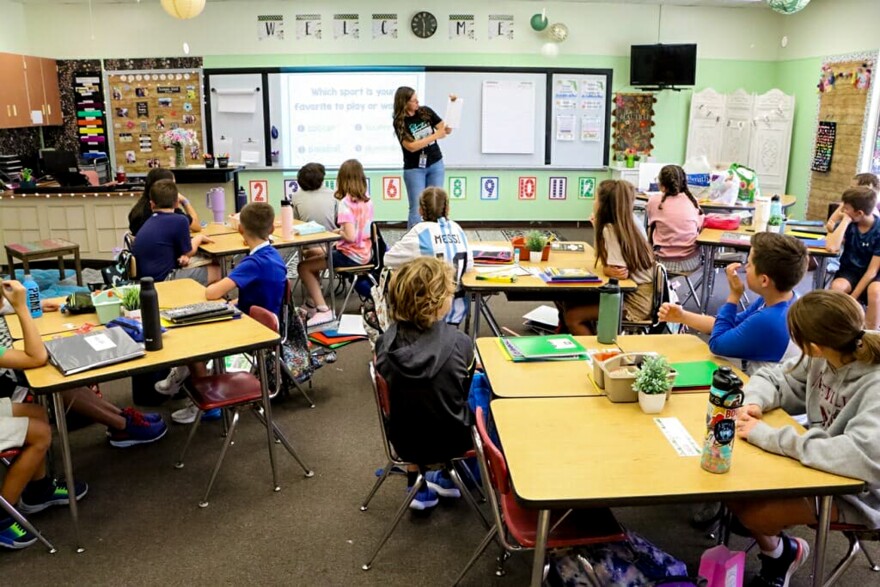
<point x="836" y="384"/>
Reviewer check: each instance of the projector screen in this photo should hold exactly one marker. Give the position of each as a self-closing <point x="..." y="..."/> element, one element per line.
<point x="333" y="116"/>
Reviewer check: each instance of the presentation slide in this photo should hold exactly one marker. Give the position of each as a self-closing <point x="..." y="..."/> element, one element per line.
<point x="329" y="117"/>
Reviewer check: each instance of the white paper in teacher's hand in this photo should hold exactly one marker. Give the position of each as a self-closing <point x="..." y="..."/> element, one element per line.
<point x="453" y="113"/>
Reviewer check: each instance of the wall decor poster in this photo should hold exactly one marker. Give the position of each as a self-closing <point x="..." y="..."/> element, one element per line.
<point x="528" y="186"/>
<point x="291" y="186"/>
<point x="384" y="26"/>
<point x="586" y="188"/>
<point x="308" y="26"/>
<point x="501" y="26"/>
<point x="90" y="119"/>
<point x="826" y="133"/>
<point x="558" y="188"/>
<point x="259" y="190"/>
<point x="462" y="26"/>
<point x="270" y="26"/>
<point x="458" y="188"/>
<point x="633" y="122"/>
<point x="391" y="188"/>
<point x="489" y="188"/>
<point x="346" y="26"/>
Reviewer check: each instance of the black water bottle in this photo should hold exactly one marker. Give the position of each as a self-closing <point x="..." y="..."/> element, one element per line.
<point x="150" y="315"/>
<point x="241" y="198"/>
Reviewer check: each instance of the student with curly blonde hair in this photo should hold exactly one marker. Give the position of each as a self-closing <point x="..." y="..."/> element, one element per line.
<point x="428" y="365"/>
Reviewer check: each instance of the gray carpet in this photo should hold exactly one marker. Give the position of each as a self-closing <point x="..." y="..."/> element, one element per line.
<point x="142" y="525"/>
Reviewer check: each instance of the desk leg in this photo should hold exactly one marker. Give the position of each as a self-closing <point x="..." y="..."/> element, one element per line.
<point x="821" y="540"/>
<point x="60" y="421"/>
<point x="478" y="308"/>
<point x="820" y="272"/>
<point x="61" y="268"/>
<point x="707" y="285"/>
<point x="267" y="410"/>
<point x="331" y="294"/>
<point x="77" y="266"/>
<point x="542" y="531"/>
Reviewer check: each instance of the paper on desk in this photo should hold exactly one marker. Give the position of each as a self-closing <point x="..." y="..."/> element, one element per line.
<point x="680" y="439"/>
<point x="453" y="113"/>
<point x="544" y="315"/>
<point x="350" y="325"/>
<point x="505" y="271"/>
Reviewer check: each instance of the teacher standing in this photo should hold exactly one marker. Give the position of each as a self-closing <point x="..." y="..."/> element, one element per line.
<point x="418" y="128"/>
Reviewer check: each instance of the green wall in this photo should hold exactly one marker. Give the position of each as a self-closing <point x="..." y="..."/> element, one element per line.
<point x="671" y="123"/>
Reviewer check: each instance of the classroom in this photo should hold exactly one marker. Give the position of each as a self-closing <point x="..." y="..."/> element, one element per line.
<point x="546" y="256"/>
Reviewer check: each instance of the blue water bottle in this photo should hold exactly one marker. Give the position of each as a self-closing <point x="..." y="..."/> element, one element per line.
<point x="725" y="397"/>
<point x="775" y="206"/>
<point x="32" y="294"/>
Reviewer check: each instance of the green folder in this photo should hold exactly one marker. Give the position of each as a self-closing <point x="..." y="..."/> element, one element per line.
<point x="543" y="348"/>
<point x="694" y="374"/>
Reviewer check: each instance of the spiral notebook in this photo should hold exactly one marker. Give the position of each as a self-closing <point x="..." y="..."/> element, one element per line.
<point x="81" y="352"/>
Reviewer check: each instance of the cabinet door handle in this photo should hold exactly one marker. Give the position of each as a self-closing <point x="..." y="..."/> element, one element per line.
<point x="43" y="109"/>
<point x="14" y="110"/>
<point x="8" y="110"/>
<point x="49" y="108"/>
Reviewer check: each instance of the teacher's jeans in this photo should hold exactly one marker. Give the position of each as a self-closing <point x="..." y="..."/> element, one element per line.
<point x="416" y="181"/>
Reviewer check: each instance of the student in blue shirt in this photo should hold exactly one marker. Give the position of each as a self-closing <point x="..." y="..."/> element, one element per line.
<point x="759" y="334"/>
<point x="859" y="235"/>
<point x="261" y="279"/>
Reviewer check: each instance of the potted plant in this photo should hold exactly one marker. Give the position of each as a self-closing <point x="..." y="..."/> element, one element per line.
<point x="209" y="160"/>
<point x="27" y="178"/>
<point x="775" y="223"/>
<point x="130" y="296"/>
<point x="223" y="160"/>
<point x="535" y="243"/>
<point x="631" y="157"/>
<point x="653" y="382"/>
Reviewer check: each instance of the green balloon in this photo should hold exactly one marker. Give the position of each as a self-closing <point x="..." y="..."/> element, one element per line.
<point x="539" y="22"/>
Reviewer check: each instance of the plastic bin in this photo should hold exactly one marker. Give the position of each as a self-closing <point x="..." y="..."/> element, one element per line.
<point x="107" y="305"/>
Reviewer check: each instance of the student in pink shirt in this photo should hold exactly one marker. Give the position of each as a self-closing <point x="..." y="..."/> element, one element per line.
<point x="354" y="216"/>
<point x="675" y="220"/>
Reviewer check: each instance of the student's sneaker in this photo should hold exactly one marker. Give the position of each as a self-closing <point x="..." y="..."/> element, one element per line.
<point x="151" y="417"/>
<point x="55" y="494"/>
<point x="440" y="482"/>
<point x="13" y="536"/>
<point x="425" y="499"/>
<point x="188" y="414"/>
<point x="776" y="572"/>
<point x="320" y="318"/>
<point x="138" y="430"/>
<point x="171" y="384"/>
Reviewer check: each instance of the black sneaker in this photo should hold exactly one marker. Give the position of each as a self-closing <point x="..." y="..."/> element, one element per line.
<point x="56" y="494"/>
<point x="777" y="572"/>
<point x="13" y="536"/>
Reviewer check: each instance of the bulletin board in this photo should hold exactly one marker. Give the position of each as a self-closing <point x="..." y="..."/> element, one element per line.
<point x="144" y="104"/>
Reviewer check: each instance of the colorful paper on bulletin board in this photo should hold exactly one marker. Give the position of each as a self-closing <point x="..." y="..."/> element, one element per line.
<point x="89" y="106"/>
<point x="826" y="133"/>
<point x="633" y="122"/>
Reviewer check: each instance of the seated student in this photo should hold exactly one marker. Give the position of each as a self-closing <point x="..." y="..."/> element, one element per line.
<point x="355" y="220"/>
<point x="27" y="427"/>
<point x="163" y="247"/>
<point x="261" y="279"/>
<point x="624" y="253"/>
<point x="141" y="211"/>
<point x="759" y="334"/>
<point x="835" y="383"/>
<point x="675" y="219"/>
<point x="859" y="235"/>
<point x="860" y="179"/>
<point x="428" y="365"/>
<point x="314" y="202"/>
<point x="436" y="236"/>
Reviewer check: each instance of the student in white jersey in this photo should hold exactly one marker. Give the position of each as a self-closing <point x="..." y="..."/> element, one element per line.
<point x="436" y="236"/>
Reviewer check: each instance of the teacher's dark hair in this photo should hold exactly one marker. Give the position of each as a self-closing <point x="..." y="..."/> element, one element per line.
<point x="401" y="97"/>
<point x="142" y="208"/>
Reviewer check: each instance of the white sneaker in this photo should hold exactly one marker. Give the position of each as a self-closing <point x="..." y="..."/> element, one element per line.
<point x="185" y="415"/>
<point x="171" y="384"/>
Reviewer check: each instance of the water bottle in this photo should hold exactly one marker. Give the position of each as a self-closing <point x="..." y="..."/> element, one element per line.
<point x="609" y="312"/>
<point x="775" y="206"/>
<point x="725" y="397"/>
<point x="516" y="256"/>
<point x="286" y="220"/>
<point x="240" y="198"/>
<point x="32" y="295"/>
<point x="150" y="315"/>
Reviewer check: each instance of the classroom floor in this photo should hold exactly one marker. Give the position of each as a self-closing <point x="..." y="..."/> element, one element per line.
<point x="143" y="526"/>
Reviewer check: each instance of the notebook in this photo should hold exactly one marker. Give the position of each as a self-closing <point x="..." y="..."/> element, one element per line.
<point x="570" y="275"/>
<point x="197" y="313"/>
<point x="693" y="374"/>
<point x="81" y="352"/>
<point x="543" y="348"/>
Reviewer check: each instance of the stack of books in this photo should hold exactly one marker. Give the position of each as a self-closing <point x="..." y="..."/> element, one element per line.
<point x="556" y="275"/>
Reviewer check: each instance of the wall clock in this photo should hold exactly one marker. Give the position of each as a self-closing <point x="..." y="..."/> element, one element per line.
<point x="423" y="24"/>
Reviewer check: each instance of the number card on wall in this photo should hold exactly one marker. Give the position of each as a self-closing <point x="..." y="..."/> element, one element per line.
<point x="558" y="188"/>
<point x="586" y="188"/>
<point x="391" y="188"/>
<point x="330" y="183"/>
<point x="291" y="186"/>
<point x="259" y="190"/>
<point x="527" y="188"/>
<point x="489" y="188"/>
<point x="458" y="188"/>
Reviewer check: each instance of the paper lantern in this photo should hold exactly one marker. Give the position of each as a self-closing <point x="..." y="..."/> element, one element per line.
<point x="558" y="32"/>
<point x="183" y="9"/>
<point x="539" y="21"/>
<point x="550" y="50"/>
<point x="787" y="6"/>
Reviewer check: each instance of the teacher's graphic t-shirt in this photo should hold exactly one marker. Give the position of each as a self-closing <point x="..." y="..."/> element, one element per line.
<point x="420" y="129"/>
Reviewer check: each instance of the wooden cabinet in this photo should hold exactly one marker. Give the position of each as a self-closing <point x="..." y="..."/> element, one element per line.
<point x="13" y="92"/>
<point x="28" y="85"/>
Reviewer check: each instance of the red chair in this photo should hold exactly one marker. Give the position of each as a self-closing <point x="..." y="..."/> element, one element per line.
<point x="7" y="457"/>
<point x="855" y="535"/>
<point x="233" y="391"/>
<point x="515" y="526"/>
<point x="383" y="405"/>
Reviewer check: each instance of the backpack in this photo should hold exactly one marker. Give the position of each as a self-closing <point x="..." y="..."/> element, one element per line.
<point x="375" y="310"/>
<point x="663" y="293"/>
<point x="121" y="271"/>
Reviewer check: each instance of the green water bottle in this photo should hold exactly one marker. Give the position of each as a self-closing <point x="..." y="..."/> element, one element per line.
<point x="609" y="312"/>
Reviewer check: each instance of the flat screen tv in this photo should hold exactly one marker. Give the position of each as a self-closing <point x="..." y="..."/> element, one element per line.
<point x="663" y="65"/>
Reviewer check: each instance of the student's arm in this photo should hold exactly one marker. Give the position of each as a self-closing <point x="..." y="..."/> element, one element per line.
<point x="867" y="278"/>
<point x="739" y="335"/>
<point x="616" y="266"/>
<point x="834" y="240"/>
<point x="406" y="249"/>
<point x="218" y="289"/>
<point x="835" y="217"/>
<point x="675" y="313"/>
<point x="197" y="241"/>
<point x="34" y="353"/>
<point x="194" y="224"/>
<point x="782" y="385"/>
<point x="440" y="132"/>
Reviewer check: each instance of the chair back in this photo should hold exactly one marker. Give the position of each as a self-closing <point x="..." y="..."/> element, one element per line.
<point x="383" y="408"/>
<point x="494" y="458"/>
<point x="378" y="246"/>
<point x="264" y="317"/>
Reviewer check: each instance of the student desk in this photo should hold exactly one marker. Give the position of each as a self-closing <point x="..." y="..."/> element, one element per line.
<point x="171" y="294"/>
<point x="582" y="452"/>
<point x="533" y="286"/>
<point x="214" y="229"/>
<point x="709" y="206"/>
<point x="181" y="345"/>
<point x="710" y="240"/>
<point x="575" y="378"/>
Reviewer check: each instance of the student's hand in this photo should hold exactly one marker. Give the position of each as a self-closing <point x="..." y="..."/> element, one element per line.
<point x="16" y="294"/>
<point x="835" y="217"/>
<point x="744" y="425"/>
<point x="204" y="239"/>
<point x="737" y="289"/>
<point x="453" y="97"/>
<point x="616" y="272"/>
<point x="753" y="410"/>
<point x="183" y="260"/>
<point x="50" y="306"/>
<point x="670" y="313"/>
<point x="182" y="201"/>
